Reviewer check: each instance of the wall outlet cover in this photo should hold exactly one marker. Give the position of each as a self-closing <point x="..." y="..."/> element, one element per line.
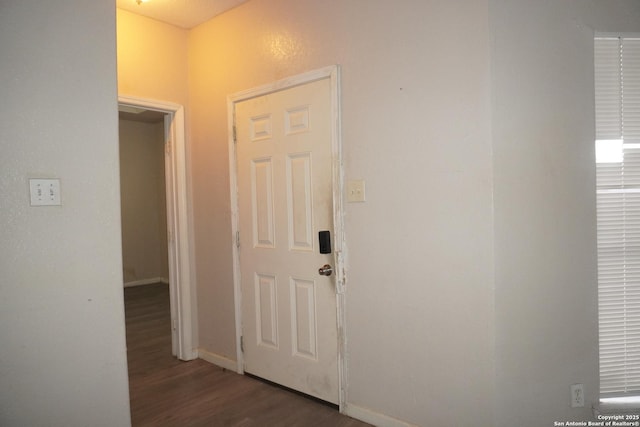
<point x="577" y="396"/>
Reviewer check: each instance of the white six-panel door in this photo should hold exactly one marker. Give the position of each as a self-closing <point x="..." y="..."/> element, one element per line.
<point x="284" y="199"/>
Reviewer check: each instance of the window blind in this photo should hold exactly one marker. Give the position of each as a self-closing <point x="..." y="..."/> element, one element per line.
<point x="617" y="90"/>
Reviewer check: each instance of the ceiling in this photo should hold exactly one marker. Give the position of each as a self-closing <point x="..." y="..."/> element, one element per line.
<point x="181" y="13"/>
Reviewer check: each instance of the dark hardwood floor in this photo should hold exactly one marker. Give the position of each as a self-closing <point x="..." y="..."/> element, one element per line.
<point x="167" y="392"/>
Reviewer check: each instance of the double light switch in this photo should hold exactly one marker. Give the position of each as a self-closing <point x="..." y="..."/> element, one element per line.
<point x="44" y="192"/>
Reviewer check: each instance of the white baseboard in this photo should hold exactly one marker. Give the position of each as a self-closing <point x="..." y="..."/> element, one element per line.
<point x="146" y="282"/>
<point x="371" y="417"/>
<point x="218" y="360"/>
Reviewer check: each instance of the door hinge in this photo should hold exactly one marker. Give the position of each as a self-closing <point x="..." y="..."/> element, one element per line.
<point x="174" y="324"/>
<point x="242" y="343"/>
<point x="238" y="239"/>
<point x="167" y="147"/>
<point x="235" y="137"/>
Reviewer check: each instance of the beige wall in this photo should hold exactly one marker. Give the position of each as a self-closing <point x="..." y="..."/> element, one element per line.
<point x="143" y="201"/>
<point x="153" y="64"/>
<point x="471" y="295"/>
<point x="416" y="127"/>
<point x="545" y="220"/>
<point x="62" y="337"/>
<point x="152" y="59"/>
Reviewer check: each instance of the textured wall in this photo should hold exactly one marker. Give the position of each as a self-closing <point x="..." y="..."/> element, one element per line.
<point x="415" y="110"/>
<point x="545" y="215"/>
<point x="471" y="293"/>
<point x="62" y="351"/>
<point x="152" y="64"/>
<point x="152" y="59"/>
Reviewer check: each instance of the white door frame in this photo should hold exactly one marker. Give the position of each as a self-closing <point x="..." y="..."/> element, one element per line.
<point x="178" y="224"/>
<point x="333" y="74"/>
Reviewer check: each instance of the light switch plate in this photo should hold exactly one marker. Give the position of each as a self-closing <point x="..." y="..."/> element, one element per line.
<point x="44" y="192"/>
<point x="356" y="191"/>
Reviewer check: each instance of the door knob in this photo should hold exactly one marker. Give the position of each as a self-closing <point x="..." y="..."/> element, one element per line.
<point x="325" y="270"/>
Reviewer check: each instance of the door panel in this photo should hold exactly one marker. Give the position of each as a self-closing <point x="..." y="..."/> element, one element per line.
<point x="299" y="196"/>
<point x="303" y="318"/>
<point x="262" y="204"/>
<point x="266" y="311"/>
<point x="284" y="199"/>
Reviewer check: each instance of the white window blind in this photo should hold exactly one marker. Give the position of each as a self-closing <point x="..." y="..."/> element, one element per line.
<point x="617" y="89"/>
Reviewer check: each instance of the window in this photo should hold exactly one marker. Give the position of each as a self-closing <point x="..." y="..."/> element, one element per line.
<point x="617" y="88"/>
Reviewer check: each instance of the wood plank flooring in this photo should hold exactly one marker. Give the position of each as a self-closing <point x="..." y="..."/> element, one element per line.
<point x="167" y="392"/>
